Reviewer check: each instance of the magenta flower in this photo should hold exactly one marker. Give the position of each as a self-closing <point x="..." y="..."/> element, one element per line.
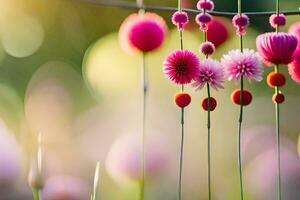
<point x="247" y="64"/>
<point x="144" y="33"/>
<point x="181" y="66"/>
<point x="277" y="20"/>
<point x="276" y="48"/>
<point x="295" y="30"/>
<point x="294" y="67"/>
<point x="240" y="22"/>
<point x="180" y="19"/>
<point x="203" y="19"/>
<point x="205" y="5"/>
<point x="207" y="48"/>
<point x="212" y="73"/>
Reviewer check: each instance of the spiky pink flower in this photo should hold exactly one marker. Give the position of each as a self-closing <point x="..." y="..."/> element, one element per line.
<point x="180" y="19"/>
<point x="212" y="73"/>
<point x="276" y="48"/>
<point x="205" y="5"/>
<point x="181" y="66"/>
<point x="295" y="30"/>
<point x="247" y="64"/>
<point x="294" y="67"/>
<point x="240" y="22"/>
<point x="277" y="20"/>
<point x="144" y="33"/>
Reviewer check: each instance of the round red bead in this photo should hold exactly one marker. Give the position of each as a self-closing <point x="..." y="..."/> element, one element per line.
<point x="276" y="79"/>
<point x="236" y="95"/>
<point x="182" y="99"/>
<point x="213" y="104"/>
<point x="278" y="98"/>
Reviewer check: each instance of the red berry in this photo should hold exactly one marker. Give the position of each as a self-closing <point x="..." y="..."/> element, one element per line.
<point x="182" y="99"/>
<point x="276" y="79"/>
<point x="278" y="98"/>
<point x="213" y="104"/>
<point x="236" y="95"/>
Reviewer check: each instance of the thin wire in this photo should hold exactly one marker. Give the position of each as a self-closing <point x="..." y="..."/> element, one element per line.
<point x="241" y="115"/>
<point x="128" y="5"/>
<point x="179" y="191"/>
<point x="208" y="131"/>
<point x="239" y="140"/>
<point x="209" y="143"/>
<point x="276" y="69"/>
<point x="145" y="95"/>
<point x="277" y="117"/>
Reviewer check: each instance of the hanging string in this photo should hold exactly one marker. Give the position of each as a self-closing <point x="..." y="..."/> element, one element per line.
<point x="241" y="114"/>
<point x="182" y="121"/>
<point x="128" y="5"/>
<point x="145" y="88"/>
<point x="276" y="69"/>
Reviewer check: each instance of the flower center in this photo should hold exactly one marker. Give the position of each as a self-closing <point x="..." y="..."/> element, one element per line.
<point x="244" y="69"/>
<point x="207" y="77"/>
<point x="181" y="68"/>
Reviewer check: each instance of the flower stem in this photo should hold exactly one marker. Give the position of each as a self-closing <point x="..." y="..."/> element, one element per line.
<point x="36" y="194"/>
<point x="182" y="122"/>
<point x="209" y="143"/>
<point x="241" y="115"/>
<point x="181" y="155"/>
<point x="144" y="109"/>
<point x="276" y="69"/>
<point x="239" y="140"/>
<point x="278" y="142"/>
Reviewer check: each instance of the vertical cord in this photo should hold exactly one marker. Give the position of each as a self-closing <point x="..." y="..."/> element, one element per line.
<point x="278" y="142"/>
<point x="239" y="141"/>
<point x="208" y="131"/>
<point x="209" y="143"/>
<point x="241" y="115"/>
<point x="182" y="122"/>
<point x="276" y="69"/>
<point x="144" y="77"/>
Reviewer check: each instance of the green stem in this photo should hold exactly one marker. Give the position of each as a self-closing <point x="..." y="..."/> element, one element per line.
<point x="182" y="122"/>
<point x="239" y="140"/>
<point x="144" y="105"/>
<point x="181" y="156"/>
<point x="276" y="69"/>
<point x="241" y="115"/>
<point x="278" y="141"/>
<point x="37" y="195"/>
<point x="209" y="143"/>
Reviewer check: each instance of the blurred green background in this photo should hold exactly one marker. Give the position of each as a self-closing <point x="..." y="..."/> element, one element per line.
<point x="63" y="73"/>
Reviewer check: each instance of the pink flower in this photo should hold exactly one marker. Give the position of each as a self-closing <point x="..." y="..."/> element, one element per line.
<point x="123" y="161"/>
<point x="207" y="48"/>
<point x="65" y="187"/>
<point x="180" y="19"/>
<point x="277" y="20"/>
<point x="276" y="48"/>
<point x="203" y="19"/>
<point x="144" y="33"/>
<point x="181" y="66"/>
<point x="294" y="67"/>
<point x="247" y="64"/>
<point x="218" y="31"/>
<point x="295" y="30"/>
<point x="212" y="73"/>
<point x="205" y="5"/>
<point x="240" y="22"/>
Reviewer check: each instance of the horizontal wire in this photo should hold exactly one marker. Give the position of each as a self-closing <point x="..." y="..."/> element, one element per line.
<point x="120" y="4"/>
